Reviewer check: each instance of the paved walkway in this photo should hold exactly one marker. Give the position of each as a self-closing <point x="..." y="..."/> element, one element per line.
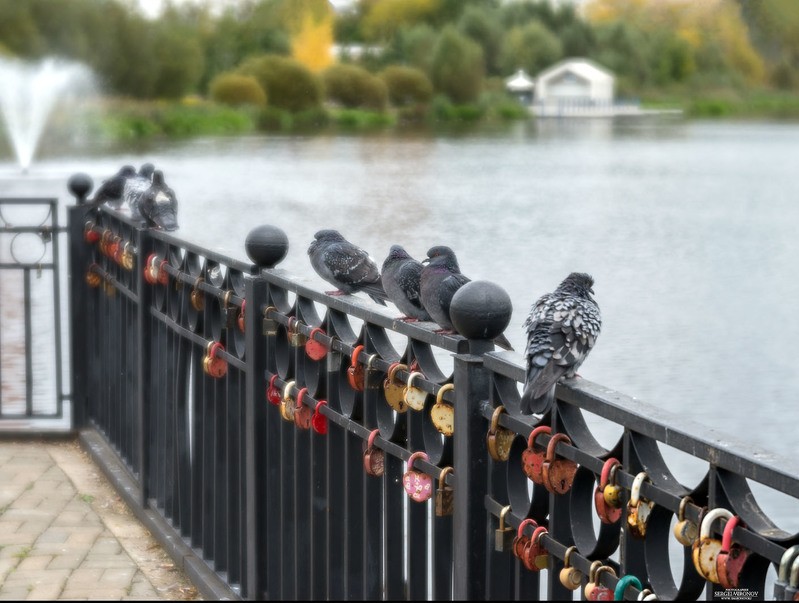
<point x="65" y="534"/>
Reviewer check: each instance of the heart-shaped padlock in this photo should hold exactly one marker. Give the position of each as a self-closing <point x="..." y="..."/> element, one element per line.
<point x="393" y="390"/>
<point x="532" y="459"/>
<point x="374" y="459"/>
<point x="318" y="420"/>
<point x="414" y="397"/>
<point x="499" y="440"/>
<point x="272" y="392"/>
<point x="355" y="370"/>
<point x="315" y="350"/>
<point x="607" y="513"/>
<point x="418" y="485"/>
<point x="442" y="414"/>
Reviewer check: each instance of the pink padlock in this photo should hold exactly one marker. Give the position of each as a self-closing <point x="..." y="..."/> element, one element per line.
<point x="418" y="485"/>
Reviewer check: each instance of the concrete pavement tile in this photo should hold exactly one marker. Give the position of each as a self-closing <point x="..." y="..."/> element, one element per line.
<point x="53" y="534"/>
<point x="67" y="561"/>
<point x="35" y="562"/>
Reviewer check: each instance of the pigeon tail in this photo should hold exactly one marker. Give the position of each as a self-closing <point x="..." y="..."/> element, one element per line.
<point x="531" y="404"/>
<point x="376" y="292"/>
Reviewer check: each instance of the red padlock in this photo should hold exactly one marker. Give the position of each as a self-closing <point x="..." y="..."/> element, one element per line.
<point x="558" y="473"/>
<point x="316" y="350"/>
<point x="89" y="234"/>
<point x="521" y="541"/>
<point x="532" y="459"/>
<point x="535" y="557"/>
<point x="112" y="246"/>
<point x="607" y="513"/>
<point x="273" y="394"/>
<point x="240" y="319"/>
<point x="215" y="366"/>
<point x="163" y="275"/>
<point x="355" y="372"/>
<point x="318" y="420"/>
<point x="731" y="558"/>
<point x="149" y="269"/>
<point x="302" y="413"/>
<point x="374" y="459"/>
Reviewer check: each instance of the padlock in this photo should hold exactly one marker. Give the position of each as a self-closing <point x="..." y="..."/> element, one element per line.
<point x="685" y="531"/>
<point x="594" y="590"/>
<point x="112" y="246"/>
<point x="607" y="514"/>
<point x="128" y="260"/>
<point x="118" y="249"/>
<point x="638" y="509"/>
<point x="705" y="548"/>
<point x="108" y="287"/>
<point x="269" y="325"/>
<point x="90" y="235"/>
<point x="93" y="279"/>
<point x="445" y="495"/>
<point x="612" y="491"/>
<point x="498" y="439"/>
<point x="296" y="338"/>
<point x="418" y="485"/>
<point x="503" y="535"/>
<point x="783" y="574"/>
<point x="163" y="275"/>
<point x="623" y="583"/>
<point x="570" y="576"/>
<point x="394" y="390"/>
<point x="355" y="371"/>
<point x="318" y="420"/>
<point x="532" y="459"/>
<point x="414" y="397"/>
<point x="240" y="319"/>
<point x="197" y="297"/>
<point x="521" y="540"/>
<point x="302" y="412"/>
<point x="272" y="392"/>
<point x="792" y="590"/>
<point x="104" y="240"/>
<point x="732" y="556"/>
<point x="534" y="556"/>
<point x="374" y="459"/>
<point x="443" y="414"/>
<point x="149" y="276"/>
<point x="286" y="403"/>
<point x="558" y="474"/>
<point x="228" y="311"/>
<point x="372" y="378"/>
<point x="315" y="349"/>
<point x="215" y="366"/>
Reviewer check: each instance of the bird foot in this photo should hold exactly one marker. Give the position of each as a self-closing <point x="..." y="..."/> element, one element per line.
<point x="408" y="319"/>
<point x="337" y="292"/>
<point x="445" y="331"/>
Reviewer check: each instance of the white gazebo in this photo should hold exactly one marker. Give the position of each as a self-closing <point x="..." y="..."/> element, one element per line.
<point x="574" y="85"/>
<point x="521" y="86"/>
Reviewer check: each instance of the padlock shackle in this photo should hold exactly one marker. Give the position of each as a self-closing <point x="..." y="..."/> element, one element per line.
<point x="567" y="556"/>
<point x="495" y="418"/>
<point x="623" y="583"/>
<point x="287" y="390"/>
<point x="226" y="298"/>
<point x="713" y="515"/>
<point x="392" y="370"/>
<point x="726" y="537"/>
<point x="314" y="331"/>
<point x="414" y="456"/>
<point x="356" y="351"/>
<point x="598" y="573"/>
<point x="319" y="405"/>
<point x="267" y="310"/>
<point x="300" y="396"/>
<point x="502" y="514"/>
<point x="794" y="577"/>
<point x="537" y="534"/>
<point x="371" y="439"/>
<point x="524" y="524"/>
<point x="609" y="464"/>
<point x="413" y="376"/>
<point x="442" y="390"/>
<point x="593" y="569"/>
<point x="635" y="490"/>
<point x="683" y="503"/>
<point x="442" y="477"/>
<point x="536" y="432"/>
<point x="785" y="562"/>
<point x="558" y="437"/>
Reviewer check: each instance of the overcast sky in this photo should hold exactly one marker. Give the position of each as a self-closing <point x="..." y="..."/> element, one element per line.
<point x="151" y="8"/>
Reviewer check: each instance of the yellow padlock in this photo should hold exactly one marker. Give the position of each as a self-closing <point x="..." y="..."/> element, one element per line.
<point x="442" y="414"/>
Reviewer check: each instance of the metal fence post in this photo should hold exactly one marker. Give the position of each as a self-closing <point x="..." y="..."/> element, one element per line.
<point x="143" y="354"/>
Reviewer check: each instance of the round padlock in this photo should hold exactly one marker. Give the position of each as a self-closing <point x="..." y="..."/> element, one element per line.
<point x="319" y="421"/>
<point x="149" y="275"/>
<point x="90" y="235"/>
<point x="355" y="372"/>
<point x="393" y="390"/>
<point x="197" y="297"/>
<point x="685" y="531"/>
<point x="612" y="491"/>
<point x="414" y="397"/>
<point x="532" y="459"/>
<point x="443" y="414"/>
<point x="570" y="577"/>
<point x="374" y="460"/>
<point x="607" y="514"/>
<point x="316" y="350"/>
<point x="217" y="366"/>
<point x="93" y="279"/>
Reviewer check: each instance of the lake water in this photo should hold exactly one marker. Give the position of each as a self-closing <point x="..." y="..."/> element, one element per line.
<point x="689" y="229"/>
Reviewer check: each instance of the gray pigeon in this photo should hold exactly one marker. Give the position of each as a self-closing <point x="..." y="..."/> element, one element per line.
<point x="345" y="266"/>
<point x="401" y="276"/>
<point x="158" y="205"/>
<point x="112" y="191"/>
<point x="136" y="185"/>
<point x="561" y="330"/>
<point x="441" y="278"/>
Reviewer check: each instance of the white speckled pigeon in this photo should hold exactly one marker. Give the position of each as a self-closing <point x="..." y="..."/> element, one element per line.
<point x="112" y="190"/>
<point x="401" y="275"/>
<point x="136" y="185"/>
<point x="345" y="266"/>
<point x="158" y="205"/>
<point x="441" y="278"/>
<point x="561" y="330"/>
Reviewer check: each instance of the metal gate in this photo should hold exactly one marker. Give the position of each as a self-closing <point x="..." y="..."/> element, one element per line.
<point x="31" y="354"/>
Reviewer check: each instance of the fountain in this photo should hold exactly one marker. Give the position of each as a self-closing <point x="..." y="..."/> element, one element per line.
<point x="28" y="95"/>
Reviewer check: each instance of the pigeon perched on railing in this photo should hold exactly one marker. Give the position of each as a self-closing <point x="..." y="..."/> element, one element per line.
<point x="112" y="190"/>
<point x="401" y="275"/>
<point x="158" y="205"/>
<point x="136" y="185"/>
<point x="561" y="331"/>
<point x="345" y="266"/>
<point x="441" y="278"/>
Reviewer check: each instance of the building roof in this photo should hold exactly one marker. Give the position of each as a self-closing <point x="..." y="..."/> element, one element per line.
<point x="579" y="66"/>
<point x="519" y="82"/>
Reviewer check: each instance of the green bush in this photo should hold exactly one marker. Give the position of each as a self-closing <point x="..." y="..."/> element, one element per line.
<point x="444" y="110"/>
<point x="359" y="119"/>
<point x="288" y="83"/>
<point x="407" y="85"/>
<point x="181" y="121"/>
<point x="236" y="89"/>
<point x="354" y="87"/>
<point x="457" y="66"/>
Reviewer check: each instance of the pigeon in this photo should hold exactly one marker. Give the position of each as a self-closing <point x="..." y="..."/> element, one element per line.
<point x="561" y="330"/>
<point x="401" y="275"/>
<point x="111" y="191"/>
<point x="136" y="185"/>
<point x="441" y="278"/>
<point x="345" y="266"/>
<point x="158" y="205"/>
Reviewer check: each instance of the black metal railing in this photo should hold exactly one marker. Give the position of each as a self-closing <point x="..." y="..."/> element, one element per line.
<point x="196" y="369"/>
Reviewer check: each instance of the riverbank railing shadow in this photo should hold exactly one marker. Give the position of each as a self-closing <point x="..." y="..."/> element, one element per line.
<point x="271" y="426"/>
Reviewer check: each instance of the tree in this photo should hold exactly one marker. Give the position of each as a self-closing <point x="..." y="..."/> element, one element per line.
<point x="531" y="47"/>
<point x="407" y="85"/>
<point x="180" y="62"/>
<point x="353" y="86"/>
<point x="482" y="24"/>
<point x="384" y="18"/>
<point x="457" y="66"/>
<point x="288" y="84"/>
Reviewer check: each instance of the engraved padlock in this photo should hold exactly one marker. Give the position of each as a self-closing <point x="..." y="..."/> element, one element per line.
<point x="498" y="439"/>
<point x="445" y="494"/>
<point x="783" y="574"/>
<point x="269" y="324"/>
<point x="414" y="396"/>
<point x="570" y="576"/>
<point x="272" y="392"/>
<point x="394" y="390"/>
<point x="533" y="458"/>
<point x="521" y="540"/>
<point x="418" y="485"/>
<point x="286" y="403"/>
<point x="318" y="420"/>
<point x="685" y="531"/>
<point x="558" y="473"/>
<point x="443" y="414"/>
<point x="503" y="535"/>
<point x="606" y="513"/>
<point x="623" y="583"/>
<point x="314" y="348"/>
<point x="296" y="338"/>
<point x="374" y="459"/>
<point x="706" y="549"/>
<point x="197" y="298"/>
<point x="229" y="312"/>
<point x="732" y="556"/>
<point x="535" y="557"/>
<point x="240" y="320"/>
<point x="595" y="590"/>
<point x="638" y="509"/>
<point x="355" y="372"/>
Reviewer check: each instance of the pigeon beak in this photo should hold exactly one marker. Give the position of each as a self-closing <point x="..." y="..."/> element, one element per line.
<point x="426" y="261"/>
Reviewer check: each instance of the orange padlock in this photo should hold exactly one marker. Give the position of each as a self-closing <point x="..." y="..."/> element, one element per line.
<point x="532" y="459"/>
<point x="355" y="370"/>
<point x="558" y="473"/>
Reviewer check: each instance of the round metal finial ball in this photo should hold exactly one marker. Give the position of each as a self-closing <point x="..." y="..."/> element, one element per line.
<point x="80" y="185"/>
<point x="480" y="310"/>
<point x="266" y="245"/>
